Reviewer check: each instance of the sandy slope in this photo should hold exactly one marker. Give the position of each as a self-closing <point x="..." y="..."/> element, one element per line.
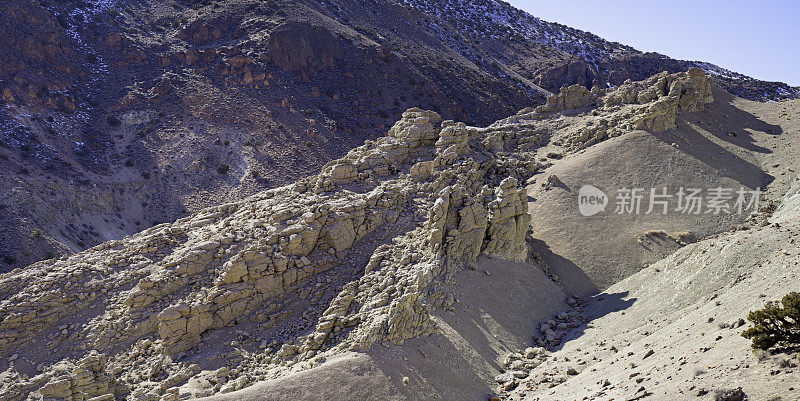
<point x="681" y="308"/>
<point x="353" y="376"/>
<point x="684" y="309"/>
<point x="604" y="247"/>
<point x="699" y="153"/>
<point x="494" y="314"/>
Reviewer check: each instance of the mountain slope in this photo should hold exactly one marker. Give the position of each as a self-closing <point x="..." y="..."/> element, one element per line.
<point x="119" y="115"/>
<point x="375" y="250"/>
<point x="498" y="28"/>
<point x="680" y="336"/>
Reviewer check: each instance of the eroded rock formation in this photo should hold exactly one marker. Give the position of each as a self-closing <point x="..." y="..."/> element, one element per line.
<point x="137" y="301"/>
<point x="279" y="281"/>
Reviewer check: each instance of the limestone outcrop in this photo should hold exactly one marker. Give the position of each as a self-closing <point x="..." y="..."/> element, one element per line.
<point x="652" y="105"/>
<point x="570" y="97"/>
<point x="363" y="243"/>
<point x="664" y="94"/>
<point x="356" y="255"/>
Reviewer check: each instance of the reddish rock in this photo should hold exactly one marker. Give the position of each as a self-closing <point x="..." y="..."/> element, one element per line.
<point x="191" y="56"/>
<point x="248" y="77"/>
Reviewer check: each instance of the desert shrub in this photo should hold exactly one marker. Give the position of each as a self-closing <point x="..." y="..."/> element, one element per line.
<point x="129" y="163"/>
<point x="113" y="121"/>
<point x="730" y="395"/>
<point x="223" y="169"/>
<point x="777" y="325"/>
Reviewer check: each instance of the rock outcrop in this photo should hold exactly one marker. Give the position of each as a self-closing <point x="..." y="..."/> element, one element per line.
<point x="651" y="105"/>
<point x="371" y="235"/>
<point x="356" y="255"/>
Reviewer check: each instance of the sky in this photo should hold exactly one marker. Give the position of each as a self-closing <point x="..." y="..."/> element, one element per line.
<point x="756" y="38"/>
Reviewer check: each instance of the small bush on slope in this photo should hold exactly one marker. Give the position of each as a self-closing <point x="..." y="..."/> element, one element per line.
<point x="776" y="325"/>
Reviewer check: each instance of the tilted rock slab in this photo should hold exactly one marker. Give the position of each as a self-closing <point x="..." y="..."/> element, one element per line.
<point x="112" y="318"/>
<point x="365" y="247"/>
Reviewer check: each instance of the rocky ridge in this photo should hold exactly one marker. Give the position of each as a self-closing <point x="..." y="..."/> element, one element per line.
<point x="123" y="99"/>
<point x="351" y="257"/>
<point x="590" y="60"/>
<point x="652" y="105"/>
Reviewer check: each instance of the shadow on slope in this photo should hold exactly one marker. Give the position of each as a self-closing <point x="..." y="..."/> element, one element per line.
<point x="600" y="305"/>
<point x="726" y="121"/>
<point x="575" y="279"/>
<point x="723" y="121"/>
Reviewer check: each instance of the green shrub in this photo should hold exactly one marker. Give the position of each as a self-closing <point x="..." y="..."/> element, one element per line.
<point x="113" y="121"/>
<point x="776" y="325"/>
<point x="223" y="169"/>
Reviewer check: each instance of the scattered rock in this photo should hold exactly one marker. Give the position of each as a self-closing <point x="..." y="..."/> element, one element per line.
<point x="730" y="395"/>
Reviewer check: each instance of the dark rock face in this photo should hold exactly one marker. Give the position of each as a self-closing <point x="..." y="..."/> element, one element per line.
<point x="304" y="48"/>
<point x="271" y="89"/>
<point x="574" y="71"/>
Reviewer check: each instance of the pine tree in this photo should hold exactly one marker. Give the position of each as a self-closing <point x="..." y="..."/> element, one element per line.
<point x="776" y="324"/>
